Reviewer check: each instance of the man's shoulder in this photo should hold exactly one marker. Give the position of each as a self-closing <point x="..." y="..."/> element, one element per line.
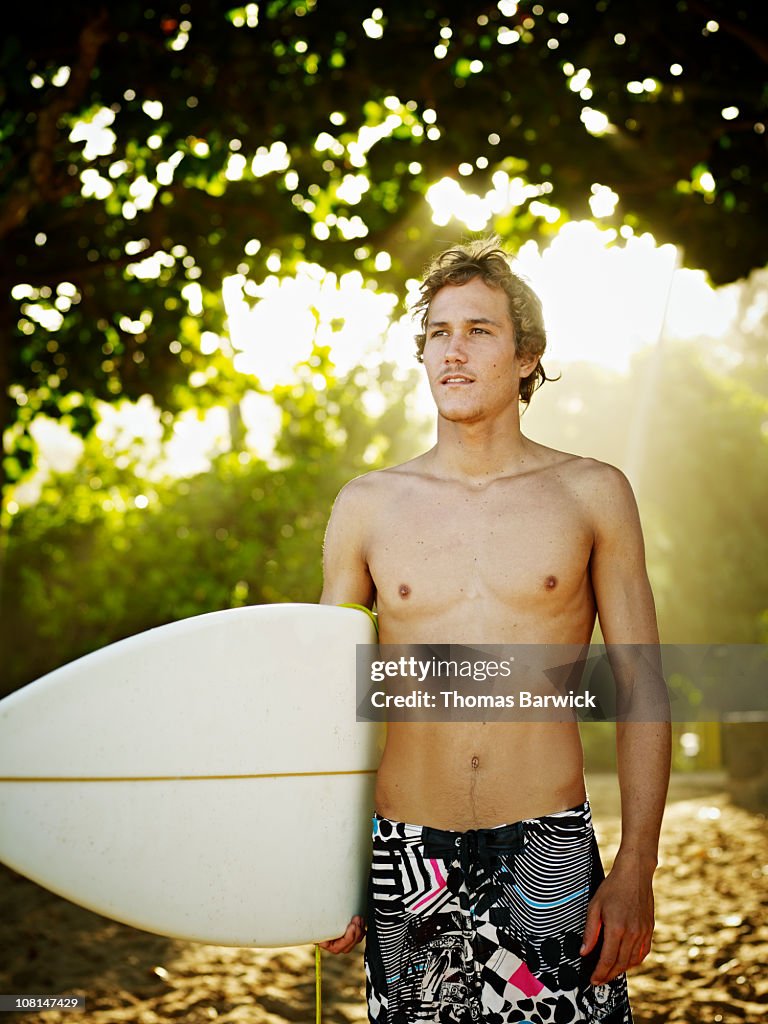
<point x="592" y="473"/>
<point x="579" y="471"/>
<point x="374" y="484"/>
<point x="600" y="489"/>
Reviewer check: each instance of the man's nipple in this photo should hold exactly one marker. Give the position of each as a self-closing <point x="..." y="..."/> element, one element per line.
<point x="404" y="590"/>
<point x="550" y="582"/>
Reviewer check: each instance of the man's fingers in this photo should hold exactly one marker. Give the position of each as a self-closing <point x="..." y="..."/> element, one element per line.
<point x="336" y="946"/>
<point x="608" y="957"/>
<point x="640" y="951"/>
<point x="626" y="916"/>
<point x="345" y="943"/>
<point x="591" y="929"/>
<point x="620" y="952"/>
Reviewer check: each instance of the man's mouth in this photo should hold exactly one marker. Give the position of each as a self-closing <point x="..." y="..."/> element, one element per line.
<point x="456" y="378"/>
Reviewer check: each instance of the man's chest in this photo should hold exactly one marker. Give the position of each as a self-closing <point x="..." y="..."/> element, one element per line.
<point x="508" y="545"/>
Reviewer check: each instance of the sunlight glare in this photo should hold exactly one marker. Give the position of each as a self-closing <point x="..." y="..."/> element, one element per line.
<point x="95" y="132"/>
<point x="194" y="441"/>
<point x="448" y="199"/>
<point x="601" y="302"/>
<point x="262" y="419"/>
<point x="58" y="451"/>
<point x="271" y="336"/>
<point x="278" y="332"/>
<point x="696" y="309"/>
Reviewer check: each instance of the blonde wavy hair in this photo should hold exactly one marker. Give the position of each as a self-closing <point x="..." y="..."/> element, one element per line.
<point x="485" y="258"/>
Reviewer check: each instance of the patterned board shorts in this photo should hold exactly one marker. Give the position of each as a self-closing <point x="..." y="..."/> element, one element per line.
<point x="486" y="925"/>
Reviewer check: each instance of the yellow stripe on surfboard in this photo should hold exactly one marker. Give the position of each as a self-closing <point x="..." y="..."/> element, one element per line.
<point x="180" y="778"/>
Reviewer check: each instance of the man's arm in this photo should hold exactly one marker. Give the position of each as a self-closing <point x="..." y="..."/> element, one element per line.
<point x="623" y="905"/>
<point x="346" y="580"/>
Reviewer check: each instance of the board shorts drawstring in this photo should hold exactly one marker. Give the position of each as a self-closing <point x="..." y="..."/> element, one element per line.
<point x="474" y="847"/>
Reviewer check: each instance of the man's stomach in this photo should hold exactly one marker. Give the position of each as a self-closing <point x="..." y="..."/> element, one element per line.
<point x="463" y="775"/>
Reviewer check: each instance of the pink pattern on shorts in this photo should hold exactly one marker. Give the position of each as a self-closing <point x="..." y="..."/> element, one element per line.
<point x="440" y="885"/>
<point x="525" y="981"/>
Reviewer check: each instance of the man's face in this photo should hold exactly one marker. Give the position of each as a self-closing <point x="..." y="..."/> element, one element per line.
<point x="469" y="353"/>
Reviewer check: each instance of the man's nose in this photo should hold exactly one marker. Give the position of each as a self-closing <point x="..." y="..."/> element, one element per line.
<point x="456" y="349"/>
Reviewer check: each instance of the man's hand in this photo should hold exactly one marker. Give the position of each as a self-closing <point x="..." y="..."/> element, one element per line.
<point x="623" y="907"/>
<point x="355" y="933"/>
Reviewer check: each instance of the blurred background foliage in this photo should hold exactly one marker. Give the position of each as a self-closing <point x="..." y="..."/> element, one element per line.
<point x="85" y="571"/>
<point x="149" y="153"/>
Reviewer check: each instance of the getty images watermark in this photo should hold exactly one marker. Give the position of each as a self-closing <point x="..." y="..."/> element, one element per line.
<point x="560" y="682"/>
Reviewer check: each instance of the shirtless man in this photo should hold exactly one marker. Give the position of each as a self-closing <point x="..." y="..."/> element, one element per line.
<point x="487" y="899"/>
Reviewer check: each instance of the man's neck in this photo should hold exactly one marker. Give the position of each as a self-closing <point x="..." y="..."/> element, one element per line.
<point x="478" y="453"/>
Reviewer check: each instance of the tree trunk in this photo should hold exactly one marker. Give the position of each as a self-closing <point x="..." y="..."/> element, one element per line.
<point x="236" y="428"/>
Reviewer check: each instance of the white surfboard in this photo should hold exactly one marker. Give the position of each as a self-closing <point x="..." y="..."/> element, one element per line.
<point x="204" y="780"/>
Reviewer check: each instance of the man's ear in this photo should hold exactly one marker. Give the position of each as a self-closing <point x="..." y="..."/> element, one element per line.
<point x="527" y="365"/>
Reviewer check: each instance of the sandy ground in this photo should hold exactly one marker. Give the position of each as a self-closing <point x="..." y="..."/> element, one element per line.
<point x="707" y="964"/>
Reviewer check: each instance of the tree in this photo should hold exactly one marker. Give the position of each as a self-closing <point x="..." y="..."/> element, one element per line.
<point x="147" y="149"/>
